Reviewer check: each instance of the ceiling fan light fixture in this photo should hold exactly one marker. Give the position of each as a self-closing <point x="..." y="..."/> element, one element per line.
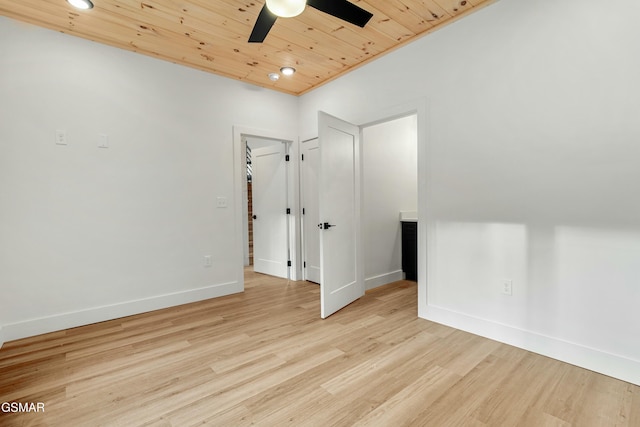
<point x="81" y="4"/>
<point x="286" y="8"/>
<point x="287" y="71"/>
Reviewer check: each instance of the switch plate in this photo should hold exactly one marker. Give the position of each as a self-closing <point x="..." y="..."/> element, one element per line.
<point x="103" y="140"/>
<point x="221" y="202"/>
<point x="507" y="287"/>
<point x="61" y="137"/>
<point x="207" y="260"/>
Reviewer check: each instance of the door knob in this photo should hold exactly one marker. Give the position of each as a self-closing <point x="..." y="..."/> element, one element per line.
<point x="254" y="216"/>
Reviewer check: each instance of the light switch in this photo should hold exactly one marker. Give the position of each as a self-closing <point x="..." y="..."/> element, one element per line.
<point x="61" y="137"/>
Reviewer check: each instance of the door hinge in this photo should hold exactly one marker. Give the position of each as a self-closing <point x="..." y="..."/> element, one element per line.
<point x="303" y="157"/>
<point x="289" y="263"/>
<point x="304" y="264"/>
<point x="288" y="211"/>
<point x="286" y="158"/>
<point x="302" y="211"/>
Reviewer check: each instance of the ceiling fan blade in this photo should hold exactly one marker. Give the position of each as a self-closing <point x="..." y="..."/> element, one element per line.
<point x="344" y="10"/>
<point x="265" y="21"/>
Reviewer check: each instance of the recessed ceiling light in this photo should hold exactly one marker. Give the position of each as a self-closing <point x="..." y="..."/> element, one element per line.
<point x="287" y="71"/>
<point x="81" y="4"/>
<point x="274" y="77"/>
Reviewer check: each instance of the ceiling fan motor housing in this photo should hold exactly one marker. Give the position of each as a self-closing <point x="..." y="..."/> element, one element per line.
<point x="286" y="8"/>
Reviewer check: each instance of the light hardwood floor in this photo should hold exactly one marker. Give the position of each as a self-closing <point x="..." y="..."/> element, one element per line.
<point x="266" y="358"/>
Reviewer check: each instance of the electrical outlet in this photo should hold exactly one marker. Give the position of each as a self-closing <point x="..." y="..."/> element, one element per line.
<point x="207" y="260"/>
<point x="103" y="141"/>
<point x="221" y="202"/>
<point x="507" y="287"/>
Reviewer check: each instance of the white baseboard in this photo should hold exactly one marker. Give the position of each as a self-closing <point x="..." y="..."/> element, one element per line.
<point x="1" y="337"/>
<point x="383" y="279"/>
<point x="613" y="365"/>
<point x="73" y="319"/>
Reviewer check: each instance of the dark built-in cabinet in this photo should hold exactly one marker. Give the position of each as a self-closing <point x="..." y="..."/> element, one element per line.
<point x="410" y="250"/>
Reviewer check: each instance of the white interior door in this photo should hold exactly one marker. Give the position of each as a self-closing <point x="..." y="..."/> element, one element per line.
<point x="269" y="198"/>
<point x="310" y="214"/>
<point x="341" y="275"/>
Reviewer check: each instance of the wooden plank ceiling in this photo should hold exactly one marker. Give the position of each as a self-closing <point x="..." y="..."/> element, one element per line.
<point x="211" y="35"/>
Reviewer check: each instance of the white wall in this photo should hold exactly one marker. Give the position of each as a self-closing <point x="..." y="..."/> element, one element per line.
<point x="88" y="234"/>
<point x="531" y="165"/>
<point x="531" y="172"/>
<point x="390" y="181"/>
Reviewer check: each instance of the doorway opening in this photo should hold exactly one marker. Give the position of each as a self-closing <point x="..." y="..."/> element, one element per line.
<point x="265" y="205"/>
<point x="390" y="200"/>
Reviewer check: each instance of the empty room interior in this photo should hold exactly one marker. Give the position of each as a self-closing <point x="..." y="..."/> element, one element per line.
<point x="505" y="132"/>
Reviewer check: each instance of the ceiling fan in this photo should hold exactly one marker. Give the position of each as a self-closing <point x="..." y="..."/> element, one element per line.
<point x="273" y="9"/>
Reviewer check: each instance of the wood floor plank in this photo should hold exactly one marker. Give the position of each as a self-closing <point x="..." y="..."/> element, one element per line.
<point x="264" y="357"/>
<point x="410" y="400"/>
<point x="509" y="401"/>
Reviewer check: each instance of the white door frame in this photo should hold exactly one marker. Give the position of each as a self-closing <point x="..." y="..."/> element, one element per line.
<point x="240" y="170"/>
<point x="426" y="228"/>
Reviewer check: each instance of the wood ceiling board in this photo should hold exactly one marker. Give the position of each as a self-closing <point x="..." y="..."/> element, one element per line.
<point x="211" y="35"/>
<point x="261" y="57"/>
<point x="453" y="7"/>
<point x="318" y="41"/>
<point x="315" y="49"/>
<point x="400" y="13"/>
<point x="386" y="25"/>
<point x="430" y="10"/>
<point x="290" y="37"/>
<point x="352" y="34"/>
